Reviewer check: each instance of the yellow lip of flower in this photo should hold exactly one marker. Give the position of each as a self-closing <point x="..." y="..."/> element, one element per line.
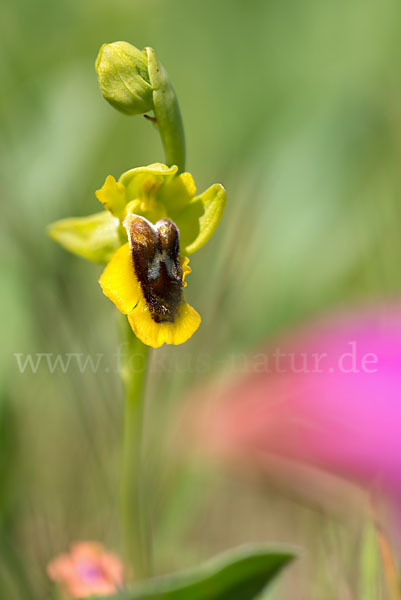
<point x="145" y="278"/>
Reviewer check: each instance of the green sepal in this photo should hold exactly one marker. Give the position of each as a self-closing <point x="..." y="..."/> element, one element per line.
<point x="198" y="221"/>
<point x="241" y="574"/>
<point x="178" y="193"/>
<point x="139" y="182"/>
<point x="95" y="237"/>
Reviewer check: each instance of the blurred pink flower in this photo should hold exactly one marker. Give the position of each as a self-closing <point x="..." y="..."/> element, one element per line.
<point x="328" y="396"/>
<point x="87" y="570"/>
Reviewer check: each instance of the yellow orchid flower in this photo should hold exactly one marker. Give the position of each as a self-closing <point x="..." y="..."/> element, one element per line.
<point x="154" y="219"/>
<point x="145" y="279"/>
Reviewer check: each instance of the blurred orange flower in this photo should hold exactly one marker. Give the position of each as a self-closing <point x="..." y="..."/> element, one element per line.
<point x="87" y="570"/>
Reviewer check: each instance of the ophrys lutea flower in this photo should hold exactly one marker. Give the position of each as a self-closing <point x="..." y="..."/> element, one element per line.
<point x="145" y="280"/>
<point x="154" y="219"/>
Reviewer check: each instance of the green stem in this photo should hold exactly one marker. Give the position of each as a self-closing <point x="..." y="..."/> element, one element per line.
<point x="167" y="113"/>
<point x="134" y="521"/>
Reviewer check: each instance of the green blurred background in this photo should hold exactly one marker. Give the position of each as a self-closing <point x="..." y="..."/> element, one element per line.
<point x="296" y="108"/>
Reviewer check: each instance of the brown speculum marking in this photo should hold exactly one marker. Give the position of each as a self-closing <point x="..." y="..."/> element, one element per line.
<point x="155" y="252"/>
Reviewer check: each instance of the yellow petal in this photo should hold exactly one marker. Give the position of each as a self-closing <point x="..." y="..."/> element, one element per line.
<point x="188" y="182"/>
<point x="113" y="196"/>
<point x="119" y="282"/>
<point x="156" y="334"/>
<point x="185" y="268"/>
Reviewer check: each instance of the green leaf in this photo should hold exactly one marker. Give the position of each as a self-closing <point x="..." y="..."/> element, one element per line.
<point x="95" y="237"/>
<point x="198" y="221"/>
<point x="241" y="574"/>
<point x="369" y="579"/>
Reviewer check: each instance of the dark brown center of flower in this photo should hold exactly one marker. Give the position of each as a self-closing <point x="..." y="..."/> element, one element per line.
<point x="155" y="252"/>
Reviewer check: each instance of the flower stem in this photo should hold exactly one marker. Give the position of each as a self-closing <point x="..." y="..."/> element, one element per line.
<point x="167" y="113"/>
<point x="134" y="523"/>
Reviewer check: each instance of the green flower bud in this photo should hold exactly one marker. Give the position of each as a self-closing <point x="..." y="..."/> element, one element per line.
<point x="122" y="71"/>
